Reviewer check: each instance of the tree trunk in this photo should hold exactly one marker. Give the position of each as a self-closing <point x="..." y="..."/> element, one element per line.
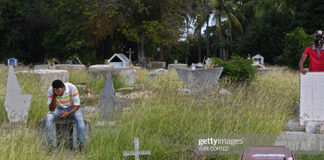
<point x="231" y="40"/>
<point x="220" y="37"/>
<point x="187" y="41"/>
<point x="140" y="51"/>
<point x="207" y="36"/>
<point x="199" y="45"/>
<point x="161" y="52"/>
<point x="187" y="52"/>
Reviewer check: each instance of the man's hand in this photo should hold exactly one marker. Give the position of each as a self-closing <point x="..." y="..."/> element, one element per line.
<point x="303" y="71"/>
<point x="55" y="92"/>
<point x="64" y="115"/>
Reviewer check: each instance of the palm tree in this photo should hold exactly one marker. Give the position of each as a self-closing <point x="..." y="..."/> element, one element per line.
<point x="203" y="9"/>
<point x="266" y="5"/>
<point x="225" y="12"/>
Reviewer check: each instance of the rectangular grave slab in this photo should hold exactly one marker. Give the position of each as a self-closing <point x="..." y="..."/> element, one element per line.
<point x="199" y="78"/>
<point x="311" y="98"/>
<point x="16" y="104"/>
<point x="47" y="76"/>
<point x="157" y="65"/>
<point x="70" y="66"/>
<point x="126" y="74"/>
<point x="100" y="70"/>
<point x="268" y="70"/>
<point x="301" y="141"/>
<point x="267" y="153"/>
<point x="109" y="106"/>
<point x="178" y="65"/>
<point x="42" y="66"/>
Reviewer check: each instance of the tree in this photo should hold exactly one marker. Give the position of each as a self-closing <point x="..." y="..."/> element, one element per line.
<point x="146" y="20"/>
<point x="225" y="11"/>
<point x="280" y="5"/>
<point x="22" y="27"/>
<point x="266" y="35"/>
<point x="295" y="44"/>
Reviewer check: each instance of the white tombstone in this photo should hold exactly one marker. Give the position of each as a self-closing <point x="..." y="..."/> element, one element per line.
<point x="258" y="58"/>
<point x="119" y="60"/>
<point x="311" y="100"/>
<point x="13" y="62"/>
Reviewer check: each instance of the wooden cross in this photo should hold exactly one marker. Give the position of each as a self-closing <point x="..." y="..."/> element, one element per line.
<point x="130" y="52"/>
<point x="136" y="152"/>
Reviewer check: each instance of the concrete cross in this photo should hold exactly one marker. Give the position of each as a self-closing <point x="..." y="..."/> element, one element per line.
<point x="130" y="52"/>
<point x="136" y="152"/>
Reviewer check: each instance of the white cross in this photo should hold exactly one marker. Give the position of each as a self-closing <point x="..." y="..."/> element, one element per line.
<point x="136" y="152"/>
<point x="130" y="52"/>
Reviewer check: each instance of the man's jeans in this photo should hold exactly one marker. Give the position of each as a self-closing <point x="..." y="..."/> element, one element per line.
<point x="52" y="116"/>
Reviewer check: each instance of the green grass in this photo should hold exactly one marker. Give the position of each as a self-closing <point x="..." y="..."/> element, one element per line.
<point x="166" y="122"/>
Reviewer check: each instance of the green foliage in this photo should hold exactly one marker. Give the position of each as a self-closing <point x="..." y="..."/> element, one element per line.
<point x="237" y="69"/>
<point x="295" y="44"/>
<point x="118" y="83"/>
<point x="266" y="35"/>
<point x="89" y="58"/>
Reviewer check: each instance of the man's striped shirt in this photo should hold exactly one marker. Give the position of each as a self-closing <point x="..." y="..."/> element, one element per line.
<point x="69" y="98"/>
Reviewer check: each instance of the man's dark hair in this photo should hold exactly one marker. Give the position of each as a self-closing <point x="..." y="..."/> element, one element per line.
<point x="57" y="84"/>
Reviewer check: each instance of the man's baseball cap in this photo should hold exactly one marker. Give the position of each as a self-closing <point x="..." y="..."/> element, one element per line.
<point x="319" y="33"/>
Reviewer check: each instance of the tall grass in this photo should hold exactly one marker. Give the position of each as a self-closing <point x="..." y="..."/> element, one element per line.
<point x="166" y="122"/>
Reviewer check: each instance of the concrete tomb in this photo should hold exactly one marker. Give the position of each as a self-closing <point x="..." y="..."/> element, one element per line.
<point x="175" y="66"/>
<point x="46" y="76"/>
<point x="199" y="78"/>
<point x="98" y="70"/>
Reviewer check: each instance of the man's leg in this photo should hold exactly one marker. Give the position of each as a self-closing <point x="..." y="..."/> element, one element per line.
<point x="50" y="126"/>
<point x="78" y="116"/>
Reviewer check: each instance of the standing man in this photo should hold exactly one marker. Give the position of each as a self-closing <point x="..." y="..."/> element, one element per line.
<point x="64" y="102"/>
<point x="315" y="54"/>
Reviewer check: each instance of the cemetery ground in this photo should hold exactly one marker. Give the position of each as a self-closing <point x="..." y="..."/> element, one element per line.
<point x="165" y="120"/>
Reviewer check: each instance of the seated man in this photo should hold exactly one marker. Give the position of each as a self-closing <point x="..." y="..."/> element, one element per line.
<point x="63" y="102"/>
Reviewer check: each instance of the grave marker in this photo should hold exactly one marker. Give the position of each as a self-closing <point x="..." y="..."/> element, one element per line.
<point x="130" y="52"/>
<point x="110" y="107"/>
<point x="16" y="104"/>
<point x="136" y="151"/>
<point x="199" y="78"/>
<point x="311" y="100"/>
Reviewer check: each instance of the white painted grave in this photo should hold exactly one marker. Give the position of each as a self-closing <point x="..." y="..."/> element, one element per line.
<point x="311" y="100"/>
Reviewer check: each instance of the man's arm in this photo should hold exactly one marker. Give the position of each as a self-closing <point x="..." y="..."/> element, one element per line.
<point x="51" y="101"/>
<point x="52" y="105"/>
<point x="65" y="114"/>
<point x="301" y="64"/>
<point x="74" y="108"/>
